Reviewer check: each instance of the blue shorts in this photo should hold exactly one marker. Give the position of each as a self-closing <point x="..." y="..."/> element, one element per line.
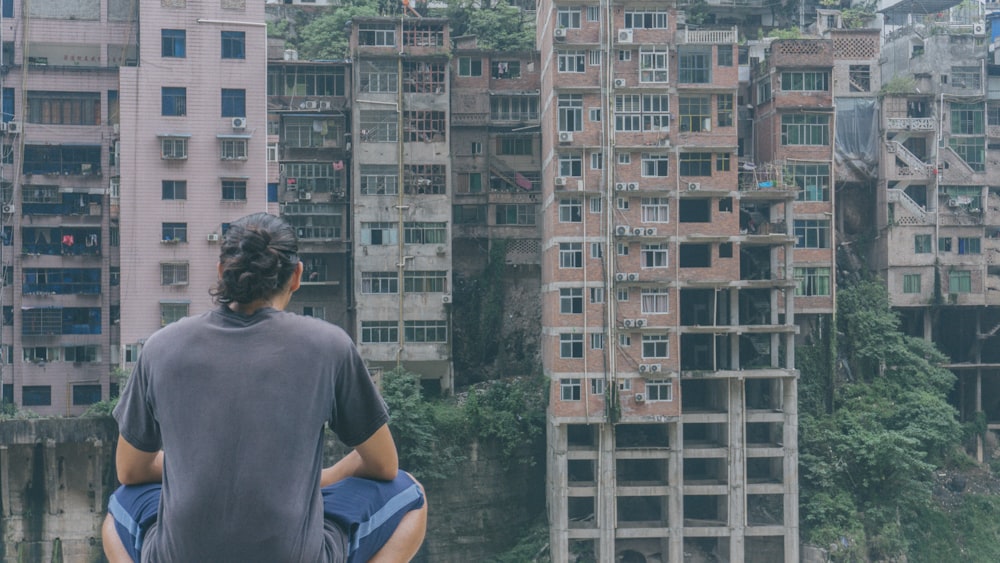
<point x="368" y="511"/>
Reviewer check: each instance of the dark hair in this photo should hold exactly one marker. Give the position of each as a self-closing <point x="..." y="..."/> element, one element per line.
<point x="258" y="257"/>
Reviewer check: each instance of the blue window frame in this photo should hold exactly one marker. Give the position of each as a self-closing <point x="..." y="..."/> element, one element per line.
<point x="234" y="102"/>
<point x="173" y="43"/>
<point x="234" y="45"/>
<point x="8" y="8"/>
<point x="8" y="105"/>
<point x="174" y="101"/>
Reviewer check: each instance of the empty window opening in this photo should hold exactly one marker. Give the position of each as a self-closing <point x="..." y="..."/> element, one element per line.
<point x="580" y="435"/>
<point x="764" y="549"/>
<point x="580" y="470"/>
<point x="765" y="510"/>
<point x="765" y="470"/>
<point x="704" y="395"/>
<point x="695" y="210"/>
<point x="764" y="434"/>
<point x="706" y="471"/>
<point x="642" y="436"/>
<point x="580" y="512"/>
<point x="695" y="255"/>
<point x="698" y="352"/>
<point x="639" y="472"/>
<point x="705" y="510"/>
<point x="763" y="394"/>
<point x="704" y="435"/>
<point x="642" y="511"/>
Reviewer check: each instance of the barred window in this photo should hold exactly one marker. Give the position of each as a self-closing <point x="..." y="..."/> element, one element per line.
<point x="515" y="214"/>
<point x="653" y="64"/>
<point x="425" y="331"/>
<point x="805" y="129"/>
<point x="805" y="81"/>
<point x="812" y="281"/>
<point x="379" y="179"/>
<point x="379" y="282"/>
<point x="425" y="281"/>
<point x="513" y="108"/>
<point x="424" y="126"/>
<point x="425" y="233"/>
<point x="813" y="181"/>
<point x="374" y="332"/>
<point x="378" y="76"/>
<point x="64" y="108"/>
<point x="424" y="179"/>
<point x="172" y="312"/>
<point x="174" y="273"/>
<point x="379" y="127"/>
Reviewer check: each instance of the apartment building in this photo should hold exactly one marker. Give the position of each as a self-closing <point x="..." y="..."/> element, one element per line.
<point x="400" y="116"/>
<point x="309" y="157"/>
<point x="60" y="99"/>
<point x="193" y="138"/>
<point x="939" y="221"/>
<point x="668" y="322"/>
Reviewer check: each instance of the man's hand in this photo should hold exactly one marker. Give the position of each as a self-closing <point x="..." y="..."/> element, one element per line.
<point x="375" y="458"/>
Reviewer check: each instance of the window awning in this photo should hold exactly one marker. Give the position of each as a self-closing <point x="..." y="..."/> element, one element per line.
<point x="232" y="136"/>
<point x="180" y="135"/>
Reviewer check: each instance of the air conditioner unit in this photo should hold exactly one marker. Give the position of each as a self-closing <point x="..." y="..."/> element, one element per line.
<point x="621" y="230"/>
<point x="654" y="368"/>
<point x="339" y="195"/>
<point x="638" y="231"/>
<point x="629" y="323"/>
<point x="239" y="123"/>
<point x="640" y="398"/>
<point x="310" y="104"/>
<point x="643" y="368"/>
<point x="650" y="231"/>
<point x="633" y="186"/>
<point x="213" y="237"/>
<point x="8" y="208"/>
<point x="619" y="82"/>
<point x="305" y="196"/>
<point x="559" y="33"/>
<point x="694" y="186"/>
<point x="620" y="276"/>
<point x="565" y="137"/>
<point x="640" y="323"/>
<point x="978" y="29"/>
<point x="620" y="186"/>
<point x="13" y="127"/>
<point x="560" y="181"/>
<point x="625" y="35"/>
<point x="446" y="298"/>
<point x="325" y="105"/>
<point x="633" y="277"/>
<point x="953" y="203"/>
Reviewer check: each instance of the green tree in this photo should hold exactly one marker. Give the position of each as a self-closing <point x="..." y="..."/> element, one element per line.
<point x="498" y="27"/>
<point x="327" y="37"/>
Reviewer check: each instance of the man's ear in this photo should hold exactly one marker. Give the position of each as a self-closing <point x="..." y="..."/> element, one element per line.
<point x="296" y="281"/>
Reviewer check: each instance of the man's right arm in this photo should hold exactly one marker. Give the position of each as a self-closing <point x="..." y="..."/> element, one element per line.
<point x="135" y="466"/>
<point x="375" y="458"/>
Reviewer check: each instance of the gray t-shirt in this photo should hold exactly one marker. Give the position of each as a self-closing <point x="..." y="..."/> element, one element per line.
<point x="238" y="404"/>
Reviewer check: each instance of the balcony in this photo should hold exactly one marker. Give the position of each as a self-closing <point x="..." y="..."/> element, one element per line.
<point x="707" y="36"/>
<point x="911" y="123"/>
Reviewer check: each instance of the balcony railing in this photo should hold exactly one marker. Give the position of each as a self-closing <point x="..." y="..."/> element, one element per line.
<point x="911" y="123"/>
<point x="707" y="36"/>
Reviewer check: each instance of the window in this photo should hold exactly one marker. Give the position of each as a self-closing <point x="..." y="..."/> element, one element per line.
<point x="921" y="244"/>
<point x="421" y="232"/>
<point x="377" y="34"/>
<point x="515" y="214"/>
<point x="813" y="181"/>
<point x="468" y="66"/>
<point x="625" y="340"/>
<point x="971" y="150"/>
<point x="723" y="163"/>
<point x="695" y="114"/>
<point x="570" y="345"/>
<point x="315" y="80"/>
<point x="424" y="126"/>
<point x="425" y="331"/>
<point x="568" y="17"/>
<point x="514" y="108"/>
<point x="476" y="148"/>
<point x="805" y="81"/>
<point x="724" y="56"/>
<point x="597" y="341"/>
<point x="571" y="300"/>
<point x="911" y="283"/>
<point x="655" y="346"/>
<point x="597" y="385"/>
<point x="570" y="112"/>
<point x="379" y="126"/>
<point x="570" y="255"/>
<point x="596" y="250"/>
<point x="622" y="203"/>
<point x="655" y="301"/>
<point x="597" y="161"/>
<point x="764" y="90"/>
<point x="593" y="13"/>
<point x="648" y="112"/>
<point x="174" y="189"/>
<point x="646" y="19"/>
<point x="505" y="69"/>
<point x="570" y="211"/>
<point x="374" y="332"/>
<point x="812" y="281"/>
<point x="515" y="146"/>
<point x="379" y="233"/>
<point x="812" y="233"/>
<point x="172" y="312"/>
<point x="860" y="78"/>
<point x="86" y="394"/>
<point x="624" y="55"/>
<point x="174" y="232"/>
<point x="966" y="77"/>
<point x="82" y="354"/>
<point x="594" y="115"/>
<point x="960" y="281"/>
<point x="379" y="179"/>
<point x="569" y="389"/>
<point x="597" y="295"/>
<point x="968" y="245"/>
<point x="425" y="281"/>
<point x="174" y="273"/>
<point x="724" y="110"/>
<point x="659" y="390"/>
<point x="570" y="165"/>
<point x="653" y="64"/>
<point x="944" y="244"/>
<point x="173" y="101"/>
<point x="695" y="164"/>
<point x="234" y="102"/>
<point x="967" y="119"/>
<point x="624" y="158"/>
<point x="172" y="43"/>
<point x="654" y="165"/>
<point x="653" y="255"/>
<point x="234" y="190"/>
<point x="232" y="149"/>
<point x="379" y="76"/>
<point x="621" y="248"/>
<point x="379" y="282"/>
<point x="173" y="148"/>
<point x="596" y="204"/>
<point x="805" y="129"/>
<point x="314" y="312"/>
<point x="655" y="210"/>
<point x="41" y="354"/>
<point x="36" y="395"/>
<point x="572" y="61"/>
<point x="60" y="108"/>
<point x="595" y="57"/>
<point x="272" y="152"/>
<point x="234" y="45"/>
<point x="694" y="65"/>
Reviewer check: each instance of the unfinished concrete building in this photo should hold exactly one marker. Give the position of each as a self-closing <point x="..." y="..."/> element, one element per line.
<point x="667" y="322"/>
<point x="939" y="221"/>
<point x="496" y="156"/>
<point x="309" y="157"/>
<point x="401" y="195"/>
<point x="59" y="70"/>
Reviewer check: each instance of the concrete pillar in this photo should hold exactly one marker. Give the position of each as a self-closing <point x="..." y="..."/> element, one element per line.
<point x="928" y="326"/>
<point x="791" y="469"/>
<point x="5" y="508"/>
<point x="558" y="490"/>
<point x="979" y="409"/>
<point x="737" y="471"/>
<point x="97" y="473"/>
<point x="675" y="480"/>
<point x="52" y="480"/>
<point x="607" y="500"/>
